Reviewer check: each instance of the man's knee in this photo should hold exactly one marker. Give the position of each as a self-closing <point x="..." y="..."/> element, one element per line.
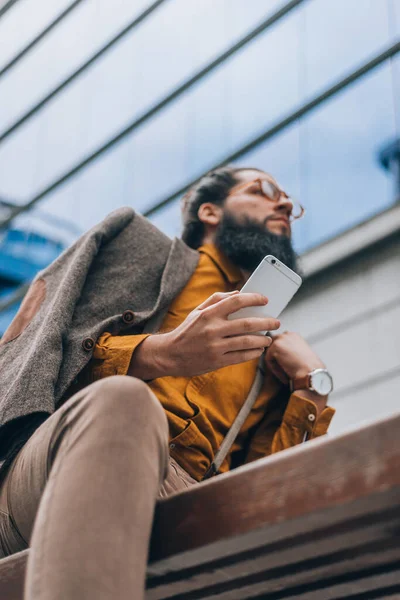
<point x="122" y="403"/>
<point x="129" y="396"/>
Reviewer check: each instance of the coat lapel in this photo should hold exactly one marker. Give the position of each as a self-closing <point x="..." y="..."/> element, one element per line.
<point x="180" y="266"/>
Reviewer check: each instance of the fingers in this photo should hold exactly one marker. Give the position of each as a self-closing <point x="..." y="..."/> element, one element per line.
<point x="244" y="343"/>
<point x="235" y="302"/>
<point x="215" y="298"/>
<point x="250" y="325"/>
<point x="235" y="358"/>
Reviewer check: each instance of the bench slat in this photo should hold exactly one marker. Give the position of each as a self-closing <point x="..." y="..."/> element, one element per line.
<point x="304" y="515"/>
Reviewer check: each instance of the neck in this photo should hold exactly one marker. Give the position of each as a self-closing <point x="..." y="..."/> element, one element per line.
<point x="210" y="239"/>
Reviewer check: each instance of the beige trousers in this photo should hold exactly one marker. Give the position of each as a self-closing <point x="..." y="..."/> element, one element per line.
<point x="82" y="492"/>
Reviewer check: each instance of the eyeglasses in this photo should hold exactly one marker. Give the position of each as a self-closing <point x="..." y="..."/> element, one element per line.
<point x="271" y="192"/>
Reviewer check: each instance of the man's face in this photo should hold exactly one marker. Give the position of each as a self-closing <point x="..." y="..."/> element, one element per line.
<point x="252" y="226"/>
<point x="247" y="202"/>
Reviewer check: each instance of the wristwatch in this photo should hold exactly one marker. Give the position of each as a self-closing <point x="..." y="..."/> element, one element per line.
<point x="319" y="381"/>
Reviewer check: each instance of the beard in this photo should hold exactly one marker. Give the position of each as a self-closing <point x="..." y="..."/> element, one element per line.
<point x="247" y="243"/>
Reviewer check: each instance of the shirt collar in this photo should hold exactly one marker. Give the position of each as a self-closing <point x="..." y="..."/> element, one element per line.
<point x="232" y="273"/>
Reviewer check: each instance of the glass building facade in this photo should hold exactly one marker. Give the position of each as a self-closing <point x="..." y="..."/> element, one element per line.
<point x="81" y="132"/>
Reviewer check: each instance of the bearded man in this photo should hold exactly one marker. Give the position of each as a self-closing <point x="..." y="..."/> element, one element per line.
<point x="122" y="374"/>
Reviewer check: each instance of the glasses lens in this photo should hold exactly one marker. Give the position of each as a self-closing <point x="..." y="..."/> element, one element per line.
<point x="270" y="190"/>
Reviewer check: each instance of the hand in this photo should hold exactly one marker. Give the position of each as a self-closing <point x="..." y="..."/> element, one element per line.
<point x="289" y="357"/>
<point x="206" y="340"/>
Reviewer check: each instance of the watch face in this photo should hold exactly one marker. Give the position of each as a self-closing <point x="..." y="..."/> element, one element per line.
<point x="321" y="382"/>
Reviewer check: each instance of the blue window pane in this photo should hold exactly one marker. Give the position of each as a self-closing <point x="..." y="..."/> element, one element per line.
<point x="396" y="89"/>
<point x="343" y="181"/>
<point x="394" y="17"/>
<point x="143" y="167"/>
<point x="255" y="90"/>
<point x="168" y="219"/>
<point x="337" y="39"/>
<point x="23" y="22"/>
<point x="250" y="91"/>
<point x="64" y="49"/>
<point x="116" y="88"/>
<point x="258" y="86"/>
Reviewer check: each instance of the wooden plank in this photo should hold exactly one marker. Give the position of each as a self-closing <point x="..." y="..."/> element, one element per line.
<point x="329" y="502"/>
<point x="292" y="563"/>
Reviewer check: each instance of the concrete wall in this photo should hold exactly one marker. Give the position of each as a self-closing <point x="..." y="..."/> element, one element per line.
<point x="350" y="314"/>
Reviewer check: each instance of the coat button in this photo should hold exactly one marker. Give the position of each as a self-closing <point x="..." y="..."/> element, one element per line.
<point x="311" y="417"/>
<point x="128" y="316"/>
<point x="88" y="344"/>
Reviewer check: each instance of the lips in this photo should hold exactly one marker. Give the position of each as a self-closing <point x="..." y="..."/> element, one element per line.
<point x="281" y="219"/>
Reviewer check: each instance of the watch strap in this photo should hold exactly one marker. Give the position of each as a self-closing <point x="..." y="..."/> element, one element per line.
<point x="300" y="383"/>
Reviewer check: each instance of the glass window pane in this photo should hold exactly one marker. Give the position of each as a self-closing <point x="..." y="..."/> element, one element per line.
<point x="64" y="49"/>
<point x="337" y="39"/>
<point x="23" y="22"/>
<point x="395" y="63"/>
<point x="169" y="50"/>
<point x="394" y="17"/>
<point x="148" y="164"/>
<point x="226" y="108"/>
<point x="343" y="182"/>
<point x="168" y="219"/>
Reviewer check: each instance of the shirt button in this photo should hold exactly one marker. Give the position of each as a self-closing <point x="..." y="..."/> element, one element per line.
<point x="88" y="344"/>
<point x="311" y="417"/>
<point x="128" y="316"/>
<point x="172" y="446"/>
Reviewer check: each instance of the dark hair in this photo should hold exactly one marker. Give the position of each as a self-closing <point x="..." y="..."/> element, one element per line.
<point x="213" y="187"/>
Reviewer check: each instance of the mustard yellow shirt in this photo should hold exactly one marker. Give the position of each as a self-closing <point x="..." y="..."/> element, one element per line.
<point x="201" y="409"/>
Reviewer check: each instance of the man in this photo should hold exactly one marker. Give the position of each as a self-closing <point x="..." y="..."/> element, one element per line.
<point x="82" y="490"/>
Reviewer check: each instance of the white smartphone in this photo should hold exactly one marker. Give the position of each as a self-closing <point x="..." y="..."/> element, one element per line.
<point x="274" y="280"/>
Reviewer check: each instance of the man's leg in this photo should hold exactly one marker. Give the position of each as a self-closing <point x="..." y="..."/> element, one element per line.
<point x="101" y="460"/>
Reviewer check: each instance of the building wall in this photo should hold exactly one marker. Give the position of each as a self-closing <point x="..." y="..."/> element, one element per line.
<point x="350" y="313"/>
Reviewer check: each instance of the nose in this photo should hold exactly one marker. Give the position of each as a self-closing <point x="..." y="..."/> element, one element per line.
<point x="285" y="204"/>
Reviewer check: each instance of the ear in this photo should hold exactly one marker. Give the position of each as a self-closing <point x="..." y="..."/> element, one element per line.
<point x="210" y="214"/>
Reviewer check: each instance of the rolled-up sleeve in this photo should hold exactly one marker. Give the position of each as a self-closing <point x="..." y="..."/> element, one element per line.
<point x="283" y="429"/>
<point x="113" y="354"/>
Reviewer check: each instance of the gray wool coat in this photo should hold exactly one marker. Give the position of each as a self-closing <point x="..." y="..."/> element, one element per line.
<point x="114" y="278"/>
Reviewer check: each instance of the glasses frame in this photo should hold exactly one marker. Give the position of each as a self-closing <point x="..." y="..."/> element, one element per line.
<point x="275" y="200"/>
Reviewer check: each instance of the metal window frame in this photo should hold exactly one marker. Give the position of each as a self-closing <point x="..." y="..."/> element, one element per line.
<point x="271" y="20"/>
<point x="17" y="57"/>
<point x="6" y="6"/>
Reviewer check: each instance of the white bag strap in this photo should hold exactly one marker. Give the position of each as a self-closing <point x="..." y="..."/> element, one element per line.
<point x="238" y="422"/>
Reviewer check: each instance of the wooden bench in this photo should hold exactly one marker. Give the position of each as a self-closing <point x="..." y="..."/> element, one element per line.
<point x="320" y="521"/>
